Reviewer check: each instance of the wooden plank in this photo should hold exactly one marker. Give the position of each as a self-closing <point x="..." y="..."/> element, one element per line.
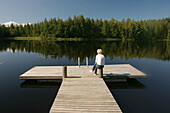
<point x="122" y="71"/>
<point x="43" y="72"/>
<point x="117" y="71"/>
<point x="84" y="95"/>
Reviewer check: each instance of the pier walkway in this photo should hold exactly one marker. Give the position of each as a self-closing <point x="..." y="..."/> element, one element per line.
<point x="80" y="95"/>
<point x="81" y="91"/>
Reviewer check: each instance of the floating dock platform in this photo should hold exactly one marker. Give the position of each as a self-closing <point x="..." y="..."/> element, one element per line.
<point x="109" y="71"/>
<point x="81" y="91"/>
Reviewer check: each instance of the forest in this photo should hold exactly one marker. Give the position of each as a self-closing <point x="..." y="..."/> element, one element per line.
<point x="89" y="28"/>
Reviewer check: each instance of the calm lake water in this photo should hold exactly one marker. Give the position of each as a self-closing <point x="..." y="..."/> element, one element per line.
<point x="145" y="95"/>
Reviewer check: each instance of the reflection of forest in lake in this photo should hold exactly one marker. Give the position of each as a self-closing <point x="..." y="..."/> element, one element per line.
<point x="70" y="49"/>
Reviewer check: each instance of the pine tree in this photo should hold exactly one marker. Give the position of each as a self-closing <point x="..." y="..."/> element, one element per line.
<point x="113" y="28"/>
<point x="60" y="28"/>
<point x="106" y="29"/>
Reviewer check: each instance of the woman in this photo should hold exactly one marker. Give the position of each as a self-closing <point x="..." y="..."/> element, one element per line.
<point x="99" y="62"/>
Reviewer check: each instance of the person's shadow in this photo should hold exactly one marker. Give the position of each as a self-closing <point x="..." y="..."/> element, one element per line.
<point x="113" y="74"/>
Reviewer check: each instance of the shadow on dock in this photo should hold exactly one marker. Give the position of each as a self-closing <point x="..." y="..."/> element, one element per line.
<point x="130" y="84"/>
<point x="113" y="74"/>
<point x="74" y="77"/>
<point x="41" y="84"/>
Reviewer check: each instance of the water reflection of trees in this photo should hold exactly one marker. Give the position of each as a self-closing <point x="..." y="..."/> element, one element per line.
<point x="71" y="49"/>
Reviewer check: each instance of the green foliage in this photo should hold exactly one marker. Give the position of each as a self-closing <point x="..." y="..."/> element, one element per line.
<point x="169" y="30"/>
<point x="4" y="31"/>
<point x="88" y="28"/>
<point x="106" y="29"/>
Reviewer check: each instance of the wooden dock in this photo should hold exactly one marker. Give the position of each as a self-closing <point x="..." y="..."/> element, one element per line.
<point x="43" y="72"/>
<point x="80" y="95"/>
<point x="109" y="72"/>
<point x="81" y="91"/>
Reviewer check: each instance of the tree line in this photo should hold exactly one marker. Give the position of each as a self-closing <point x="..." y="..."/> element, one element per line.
<point x="80" y="27"/>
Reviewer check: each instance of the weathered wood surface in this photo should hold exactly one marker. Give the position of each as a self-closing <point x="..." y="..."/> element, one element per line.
<point x="85" y="94"/>
<point x="109" y="71"/>
<point x="122" y="70"/>
<point x="43" y="72"/>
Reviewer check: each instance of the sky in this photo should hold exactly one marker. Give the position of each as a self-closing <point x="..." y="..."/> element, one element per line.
<point x="33" y="11"/>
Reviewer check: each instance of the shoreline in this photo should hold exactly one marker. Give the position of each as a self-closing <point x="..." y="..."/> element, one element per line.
<point x="64" y="39"/>
<point x="75" y="39"/>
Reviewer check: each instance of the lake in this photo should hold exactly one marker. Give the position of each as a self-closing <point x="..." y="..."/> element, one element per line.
<point x="145" y="95"/>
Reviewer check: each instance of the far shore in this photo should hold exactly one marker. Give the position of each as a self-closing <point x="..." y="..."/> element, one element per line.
<point x="74" y="39"/>
<point x="63" y="39"/>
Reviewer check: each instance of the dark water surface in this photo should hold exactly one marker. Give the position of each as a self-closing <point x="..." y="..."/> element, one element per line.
<point x="149" y="95"/>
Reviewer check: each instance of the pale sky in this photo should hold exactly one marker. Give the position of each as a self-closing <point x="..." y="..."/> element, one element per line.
<point x="31" y="11"/>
